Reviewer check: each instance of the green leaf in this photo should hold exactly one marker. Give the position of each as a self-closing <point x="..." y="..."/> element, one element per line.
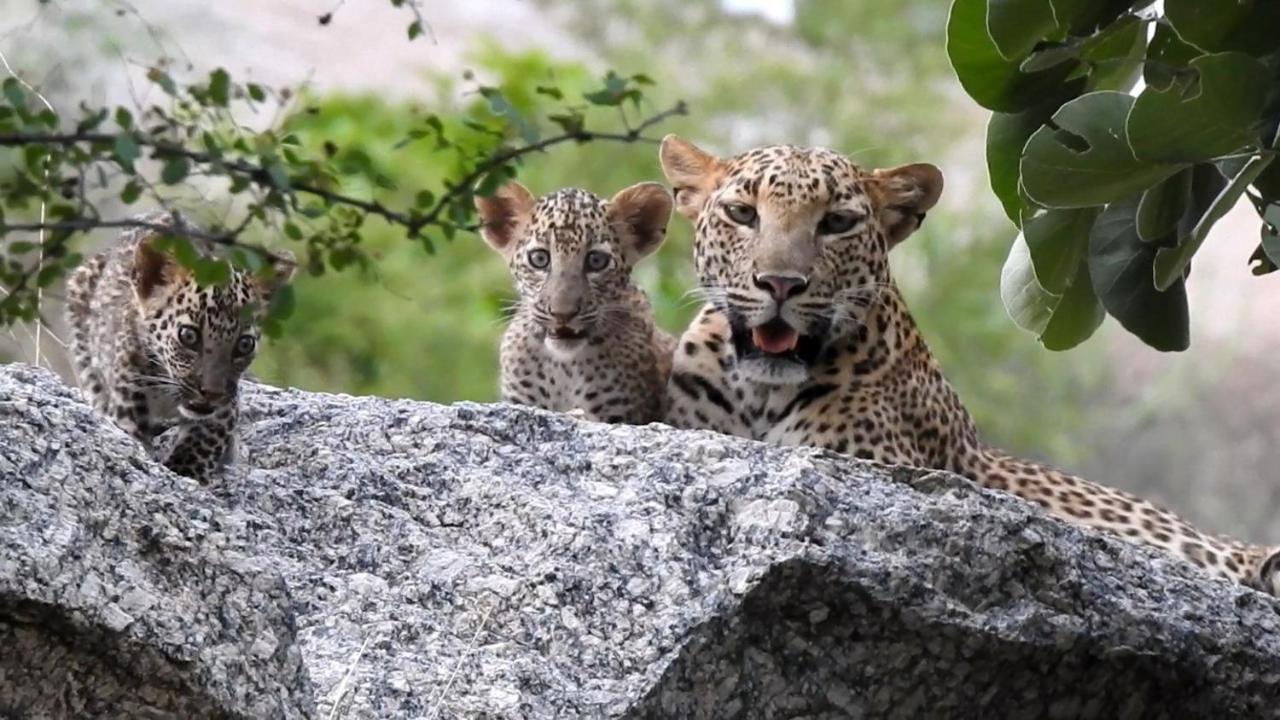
<point x="126" y="151"/>
<point x="424" y="199"/>
<point x="175" y="170"/>
<point x="993" y="81"/>
<point x="1162" y="206"/>
<point x="415" y="29"/>
<point x="14" y="94"/>
<point x="1120" y="268"/>
<point x="1060" y="321"/>
<point x="124" y="118"/>
<point x="131" y="192"/>
<point x="1167" y="57"/>
<point x="209" y="272"/>
<point x="279" y="175"/>
<point x="1007" y="133"/>
<point x="1171" y="263"/>
<point x="161" y="78"/>
<point x="1166" y="127"/>
<point x="292" y="231"/>
<point x="1215" y="25"/>
<point x="1077" y="315"/>
<point x="1116" y="55"/>
<point x="1017" y="26"/>
<point x="256" y="93"/>
<point x="1058" y="241"/>
<point x="219" y="87"/>
<point x="1086" y="159"/>
<point x="283" y="303"/>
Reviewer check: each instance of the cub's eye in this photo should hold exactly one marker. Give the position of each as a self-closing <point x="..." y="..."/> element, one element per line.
<point x="539" y="258"/>
<point x="245" y="344"/>
<point x="597" y="261"/>
<point x="836" y="223"/>
<point x="741" y="214"/>
<point x="189" y="336"/>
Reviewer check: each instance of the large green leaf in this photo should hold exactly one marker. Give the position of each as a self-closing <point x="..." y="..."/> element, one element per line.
<point x="1060" y="321"/>
<point x="1017" y="26"/>
<point x="1058" y="241"/>
<point x="1217" y="25"/>
<point x="1007" y="134"/>
<point x="1270" y="245"/>
<point x="1162" y="207"/>
<point x="1167" y="57"/>
<point x="1169" y="126"/>
<point x="1077" y="314"/>
<point x="1171" y="263"/>
<point x="1085" y="17"/>
<point x="1120" y="268"/>
<point x="1028" y="303"/>
<point x="1086" y="159"/>
<point x="1116" y="54"/>
<point x="993" y="81"/>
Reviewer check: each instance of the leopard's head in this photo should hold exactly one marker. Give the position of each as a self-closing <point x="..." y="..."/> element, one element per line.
<point x="792" y="244"/>
<point x="204" y="337"/>
<point x="571" y="254"/>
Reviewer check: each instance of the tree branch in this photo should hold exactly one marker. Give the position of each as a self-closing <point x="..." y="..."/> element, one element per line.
<point x="259" y="175"/>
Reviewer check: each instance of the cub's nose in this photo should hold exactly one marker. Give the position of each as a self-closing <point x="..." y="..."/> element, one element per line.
<point x="781" y="287"/>
<point x="564" y="317"/>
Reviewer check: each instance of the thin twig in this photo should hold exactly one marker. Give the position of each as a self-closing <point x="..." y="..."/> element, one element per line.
<point x="44" y="206"/>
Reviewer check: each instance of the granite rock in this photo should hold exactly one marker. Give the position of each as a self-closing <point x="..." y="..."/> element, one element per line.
<point x="374" y="558"/>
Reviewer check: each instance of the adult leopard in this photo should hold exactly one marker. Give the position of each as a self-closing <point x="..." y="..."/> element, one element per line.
<point x="805" y="339"/>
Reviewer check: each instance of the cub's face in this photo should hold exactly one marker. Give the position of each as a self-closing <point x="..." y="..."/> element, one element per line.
<point x="570" y="254"/>
<point x="792" y="244"/>
<point x="204" y="338"/>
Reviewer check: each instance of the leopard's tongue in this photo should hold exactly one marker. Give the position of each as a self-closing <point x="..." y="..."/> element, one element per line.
<point x="775" y="337"/>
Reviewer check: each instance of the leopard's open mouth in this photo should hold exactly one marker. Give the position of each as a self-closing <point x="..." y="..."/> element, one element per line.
<point x="775" y="340"/>
<point x="565" y="333"/>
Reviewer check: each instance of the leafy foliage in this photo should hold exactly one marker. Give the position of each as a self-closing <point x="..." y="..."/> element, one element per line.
<point x="1114" y="193"/>
<point x="316" y="196"/>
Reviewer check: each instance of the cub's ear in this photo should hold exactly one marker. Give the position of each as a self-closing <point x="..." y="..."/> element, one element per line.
<point x="639" y="214"/>
<point x="283" y="268"/>
<point x="903" y="195"/>
<point x="154" y="269"/>
<point x="503" y="215"/>
<point x="693" y="174"/>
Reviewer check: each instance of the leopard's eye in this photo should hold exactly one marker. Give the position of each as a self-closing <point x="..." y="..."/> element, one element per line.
<point x="189" y="336"/>
<point x="539" y="258"/>
<point x="838" y="222"/>
<point x="245" y="345"/>
<point x="597" y="261"/>
<point x="741" y="214"/>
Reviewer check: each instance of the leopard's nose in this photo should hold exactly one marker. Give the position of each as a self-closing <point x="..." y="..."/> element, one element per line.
<point x="781" y="287"/>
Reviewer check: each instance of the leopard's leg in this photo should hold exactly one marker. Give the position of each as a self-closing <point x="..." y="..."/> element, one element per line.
<point x="131" y="409"/>
<point x="203" y="446"/>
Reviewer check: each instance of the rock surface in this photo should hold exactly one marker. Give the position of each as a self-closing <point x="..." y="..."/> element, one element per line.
<point x="372" y="558"/>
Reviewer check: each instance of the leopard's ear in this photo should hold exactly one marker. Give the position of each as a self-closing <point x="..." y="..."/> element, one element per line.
<point x="283" y="267"/>
<point x="903" y="195"/>
<point x="692" y="172"/>
<point x="154" y="268"/>
<point x="640" y="214"/>
<point x="504" y="214"/>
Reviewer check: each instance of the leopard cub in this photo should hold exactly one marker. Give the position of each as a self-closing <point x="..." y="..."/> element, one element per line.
<point x="154" y="350"/>
<point x="583" y="338"/>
